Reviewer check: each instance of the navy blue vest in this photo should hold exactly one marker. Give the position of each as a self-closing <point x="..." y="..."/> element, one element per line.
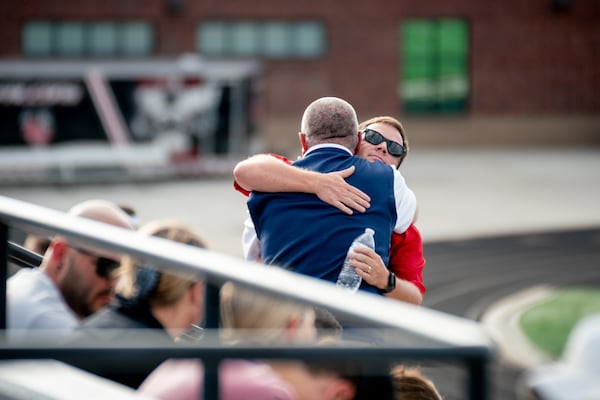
<point x="300" y="232"/>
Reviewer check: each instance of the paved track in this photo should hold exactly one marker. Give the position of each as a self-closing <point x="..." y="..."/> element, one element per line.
<point x="465" y="277"/>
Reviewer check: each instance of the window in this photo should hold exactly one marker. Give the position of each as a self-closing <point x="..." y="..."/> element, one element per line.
<point x="277" y="40"/>
<point x="81" y="39"/>
<point x="37" y="38"/>
<point x="245" y="38"/>
<point x="136" y="38"/>
<point x="271" y="39"/>
<point x="434" y="75"/>
<point x="102" y="38"/>
<point x="69" y="40"/>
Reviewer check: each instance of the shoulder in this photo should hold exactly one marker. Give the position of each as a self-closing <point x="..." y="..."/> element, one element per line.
<point x="177" y="379"/>
<point x="252" y="380"/>
<point x="282" y="158"/>
<point x="412" y="234"/>
<point x="27" y="277"/>
<point x="373" y="167"/>
<point x="109" y="318"/>
<point x="36" y="288"/>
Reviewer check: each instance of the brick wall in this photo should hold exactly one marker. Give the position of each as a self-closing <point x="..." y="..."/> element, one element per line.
<point x="525" y="59"/>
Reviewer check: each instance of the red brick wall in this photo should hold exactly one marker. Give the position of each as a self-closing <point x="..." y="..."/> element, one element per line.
<point x="524" y="58"/>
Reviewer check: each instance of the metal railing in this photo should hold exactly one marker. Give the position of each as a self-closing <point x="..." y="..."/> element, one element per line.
<point x="421" y="333"/>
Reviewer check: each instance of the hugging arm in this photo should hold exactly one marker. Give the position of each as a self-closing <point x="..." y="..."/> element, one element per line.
<point x="265" y="173"/>
<point x="369" y="265"/>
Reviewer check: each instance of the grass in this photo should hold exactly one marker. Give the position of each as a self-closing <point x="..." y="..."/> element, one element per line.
<point x="548" y="323"/>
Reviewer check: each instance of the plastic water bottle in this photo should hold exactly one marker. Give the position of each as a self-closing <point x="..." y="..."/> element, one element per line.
<point x="348" y="278"/>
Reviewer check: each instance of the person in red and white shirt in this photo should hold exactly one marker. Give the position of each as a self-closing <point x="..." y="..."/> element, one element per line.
<point x="384" y="141"/>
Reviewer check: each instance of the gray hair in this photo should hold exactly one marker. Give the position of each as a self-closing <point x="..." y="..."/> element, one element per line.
<point x="330" y="119"/>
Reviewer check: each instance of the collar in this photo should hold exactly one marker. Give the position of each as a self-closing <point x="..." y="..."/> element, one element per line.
<point x="328" y="145"/>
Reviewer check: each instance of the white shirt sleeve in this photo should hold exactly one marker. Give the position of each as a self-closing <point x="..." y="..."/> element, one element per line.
<point x="250" y="242"/>
<point x="406" y="203"/>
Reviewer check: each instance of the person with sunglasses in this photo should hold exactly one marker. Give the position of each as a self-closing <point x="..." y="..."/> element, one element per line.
<point x="322" y="133"/>
<point x="150" y="305"/>
<point x="384" y="140"/>
<point x="72" y="282"/>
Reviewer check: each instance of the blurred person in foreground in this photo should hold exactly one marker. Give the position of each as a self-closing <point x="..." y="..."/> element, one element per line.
<point x="149" y="304"/>
<point x="411" y="384"/>
<point x="72" y="282"/>
<point x="576" y="375"/>
<point x="36" y="243"/>
<point x="383" y="139"/>
<point x="251" y="317"/>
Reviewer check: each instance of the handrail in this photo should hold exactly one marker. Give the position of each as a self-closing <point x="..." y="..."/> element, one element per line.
<point x="421" y="324"/>
<point x="416" y="326"/>
<point x="23" y="257"/>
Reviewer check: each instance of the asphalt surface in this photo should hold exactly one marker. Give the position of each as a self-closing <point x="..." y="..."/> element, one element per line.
<point x="468" y="277"/>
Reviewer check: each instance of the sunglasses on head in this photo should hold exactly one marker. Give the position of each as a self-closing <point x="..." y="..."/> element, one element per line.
<point x="375" y="138"/>
<point x="105" y="267"/>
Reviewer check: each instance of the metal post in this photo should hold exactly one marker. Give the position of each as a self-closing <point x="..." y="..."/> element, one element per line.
<point x="477" y="385"/>
<point x="3" y="272"/>
<point x="211" y="307"/>
<point x="211" y="379"/>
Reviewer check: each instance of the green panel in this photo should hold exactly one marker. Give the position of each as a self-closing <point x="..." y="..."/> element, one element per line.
<point x="434" y="65"/>
<point x="420" y="68"/>
<point x="452" y="64"/>
<point x="453" y="37"/>
<point x="419" y="49"/>
<point x="418" y="37"/>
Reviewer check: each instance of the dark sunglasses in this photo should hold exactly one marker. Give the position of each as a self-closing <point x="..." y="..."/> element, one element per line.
<point x="105" y="267"/>
<point x="375" y="138"/>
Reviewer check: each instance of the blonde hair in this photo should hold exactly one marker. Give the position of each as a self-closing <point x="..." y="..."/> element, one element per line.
<point x="391" y="121"/>
<point x="166" y="288"/>
<point x="410" y="384"/>
<point x="251" y="315"/>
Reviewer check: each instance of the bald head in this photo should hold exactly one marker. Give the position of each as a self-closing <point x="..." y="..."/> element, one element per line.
<point x="330" y="119"/>
<point x="102" y="211"/>
<point x="84" y="273"/>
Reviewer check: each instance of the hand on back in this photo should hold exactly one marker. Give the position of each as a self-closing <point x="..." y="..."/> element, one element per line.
<point x="333" y="189"/>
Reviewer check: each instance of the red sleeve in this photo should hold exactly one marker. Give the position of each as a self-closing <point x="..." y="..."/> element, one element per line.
<point x="406" y="257"/>
<point x="245" y="192"/>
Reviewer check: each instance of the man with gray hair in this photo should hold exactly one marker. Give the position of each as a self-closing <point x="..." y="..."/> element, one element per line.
<point x="298" y="230"/>
<point x="71" y="283"/>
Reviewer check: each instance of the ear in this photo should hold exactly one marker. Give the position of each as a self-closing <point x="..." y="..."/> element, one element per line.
<point x="58" y="251"/>
<point x="196" y="293"/>
<point x="303" y="143"/>
<point x="340" y="389"/>
<point x="358" y="142"/>
<point x="292" y="326"/>
<point x="54" y="259"/>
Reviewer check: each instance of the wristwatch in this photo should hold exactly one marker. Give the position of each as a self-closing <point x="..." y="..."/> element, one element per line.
<point x="391" y="284"/>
